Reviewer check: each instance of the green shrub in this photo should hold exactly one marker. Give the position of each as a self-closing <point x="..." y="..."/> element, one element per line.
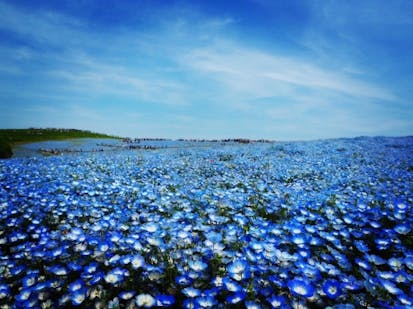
<point x="5" y="149"/>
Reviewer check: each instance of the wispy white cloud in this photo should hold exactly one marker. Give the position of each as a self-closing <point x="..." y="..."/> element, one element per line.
<point x="42" y="26"/>
<point x="258" y="73"/>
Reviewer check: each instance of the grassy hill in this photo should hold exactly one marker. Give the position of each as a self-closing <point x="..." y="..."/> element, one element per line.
<point x="10" y="137"/>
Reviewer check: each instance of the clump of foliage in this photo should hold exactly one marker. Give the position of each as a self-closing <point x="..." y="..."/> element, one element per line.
<point x="5" y="149"/>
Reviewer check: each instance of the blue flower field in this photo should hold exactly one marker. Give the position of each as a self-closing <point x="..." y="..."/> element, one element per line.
<point x="316" y="224"/>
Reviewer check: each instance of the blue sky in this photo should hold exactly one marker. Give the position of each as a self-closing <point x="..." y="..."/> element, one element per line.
<point x="283" y="70"/>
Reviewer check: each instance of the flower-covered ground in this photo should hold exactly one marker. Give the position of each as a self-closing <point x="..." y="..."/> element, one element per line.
<point x="312" y="224"/>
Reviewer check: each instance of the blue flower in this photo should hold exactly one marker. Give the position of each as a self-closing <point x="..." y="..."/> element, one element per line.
<point x="408" y="261"/>
<point x="4" y="291"/>
<point x="230" y="285"/>
<point x="73" y="266"/>
<point x="197" y="266"/>
<point x="126" y="295"/>
<point x="390" y="287"/>
<point x="96" y="278"/>
<point x="58" y="270"/>
<point x="16" y="270"/>
<point x="76" y="286"/>
<point x="115" y="276"/>
<point x="206" y="301"/>
<point x="191" y="292"/>
<point x="239" y="270"/>
<point x="190" y="304"/>
<point x="332" y="289"/>
<point x="91" y="268"/>
<point x="183" y="280"/>
<point x="300" y="287"/>
<point x="403" y="229"/>
<point x="236" y="297"/>
<point x="103" y="246"/>
<point x="29" y="280"/>
<point x="24" y="295"/>
<point x="137" y="261"/>
<point x="78" y="296"/>
<point x="278" y="301"/>
<point x="165" y="300"/>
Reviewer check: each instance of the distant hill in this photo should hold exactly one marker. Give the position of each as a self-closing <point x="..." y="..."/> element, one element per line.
<point x="10" y="137"/>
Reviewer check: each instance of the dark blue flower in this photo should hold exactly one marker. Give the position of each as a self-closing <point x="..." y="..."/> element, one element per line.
<point x="239" y="270"/>
<point x="332" y="289"/>
<point x="236" y="297"/>
<point x="165" y="300"/>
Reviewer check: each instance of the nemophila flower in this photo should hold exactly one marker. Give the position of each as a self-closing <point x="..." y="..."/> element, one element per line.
<point x="390" y="287"/>
<point x="300" y="287"/>
<point x="382" y="243"/>
<point x="76" y="286"/>
<point x="76" y="234"/>
<point x="125" y="259"/>
<point x="230" y="285"/>
<point x="96" y="278"/>
<point x="114" y="259"/>
<point x="145" y="300"/>
<point x="165" y="300"/>
<point x="58" y="270"/>
<point x="277" y="281"/>
<point x="78" y="297"/>
<point x="151" y="227"/>
<point x="389" y="275"/>
<point x="395" y="263"/>
<point x="401" y="206"/>
<point x="17" y="270"/>
<point x="402" y="229"/>
<point x="299" y="240"/>
<point x="408" y="261"/>
<point x="332" y="289"/>
<point x="206" y="301"/>
<point x="91" y="268"/>
<point x="239" y="270"/>
<point x="376" y="260"/>
<point x="363" y="264"/>
<point x="24" y="295"/>
<point x="402" y="277"/>
<point x="183" y="280"/>
<point x="197" y="266"/>
<point x="191" y="292"/>
<point x="73" y="266"/>
<point x="114" y="303"/>
<point x="4" y="291"/>
<point x="115" y="237"/>
<point x="278" y="301"/>
<point x="217" y="281"/>
<point x="405" y="300"/>
<point x="137" y="261"/>
<point x="256" y="246"/>
<point x="103" y="246"/>
<point x="115" y="276"/>
<point x="29" y="280"/>
<point x="236" y="298"/>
